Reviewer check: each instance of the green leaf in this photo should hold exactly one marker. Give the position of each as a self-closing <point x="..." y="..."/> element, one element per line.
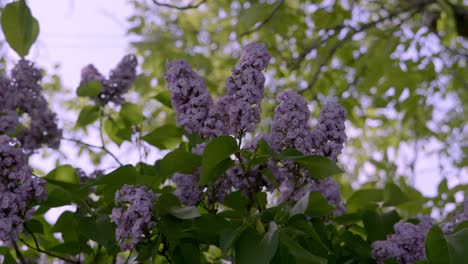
<point x="301" y="254"/>
<point x="364" y="198"/>
<point x="113" y="130"/>
<point x="67" y="224"/>
<point x="318" y="205"/>
<point x="229" y="237"/>
<point x="300" y="222"/>
<point x="318" y="166"/>
<point x="212" y="174"/>
<point x="131" y="113"/>
<point x="88" y="115"/>
<point x="71" y="248"/>
<point x="7" y="257"/>
<point x="216" y="158"/>
<point x="118" y="177"/>
<point x="164" y="98"/>
<point x="379" y="225"/>
<point x="185" y="212"/>
<point x="458" y="242"/>
<point x="186" y="252"/>
<point x="19" y="27"/>
<point x="393" y="195"/>
<point x="236" y="201"/>
<point x="64" y="173"/>
<point x="312" y="204"/>
<point x="443" y="187"/>
<point x="437" y="248"/>
<point x="90" y="89"/>
<point x="178" y="161"/>
<point x="218" y="150"/>
<point x="165" y="137"/>
<point x="35" y="226"/>
<point x="252" y="247"/>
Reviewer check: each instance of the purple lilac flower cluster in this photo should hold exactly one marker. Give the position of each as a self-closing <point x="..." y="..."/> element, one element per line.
<point x="18" y="189"/>
<point x="189" y="96"/>
<point x="119" y="82"/>
<point x="457" y="218"/>
<point x="406" y="245"/>
<point x="291" y="129"/>
<point x="132" y="214"/>
<point x="236" y="112"/>
<point x="23" y="95"/>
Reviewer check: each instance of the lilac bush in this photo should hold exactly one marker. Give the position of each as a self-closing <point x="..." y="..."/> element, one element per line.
<point x="132" y="215"/>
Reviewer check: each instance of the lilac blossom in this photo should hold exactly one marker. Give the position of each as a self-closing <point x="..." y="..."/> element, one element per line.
<point x="119" y="82"/>
<point x="189" y="96"/>
<point x="290" y="128"/>
<point x="132" y="215"/>
<point x="245" y="90"/>
<point x="18" y="189"/>
<point x="27" y="99"/>
<point x="187" y="189"/>
<point x="329" y="136"/>
<point x="406" y="245"/>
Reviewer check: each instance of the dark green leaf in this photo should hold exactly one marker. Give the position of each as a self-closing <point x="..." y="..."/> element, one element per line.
<point x="118" y="177"/>
<point x="379" y="225"/>
<point x="229" y="237"/>
<point x="393" y="195"/>
<point x="437" y="248"/>
<point x="19" y="27"/>
<point x="217" y="150"/>
<point x="318" y="166"/>
<point x="252" y="247"/>
<point x="301" y="254"/>
<point x="178" y="161"/>
<point x="67" y="224"/>
<point x="35" y="226"/>
<point x="236" y="201"/>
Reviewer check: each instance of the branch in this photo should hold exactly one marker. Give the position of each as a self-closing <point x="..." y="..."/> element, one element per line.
<point x="38" y="249"/>
<point x="263" y="22"/>
<point x="103" y="148"/>
<point x="18" y="253"/>
<point x="341" y="42"/>
<point x="354" y="31"/>
<point x="189" y="6"/>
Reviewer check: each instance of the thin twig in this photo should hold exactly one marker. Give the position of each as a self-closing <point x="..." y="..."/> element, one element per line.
<point x="263" y="22"/>
<point x="189" y="6"/>
<point x="18" y="253"/>
<point x="38" y="249"/>
<point x="103" y="148"/>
